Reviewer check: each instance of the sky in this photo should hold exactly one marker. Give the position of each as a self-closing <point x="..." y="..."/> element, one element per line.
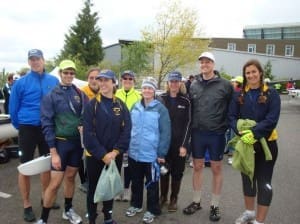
<point x="27" y="24"/>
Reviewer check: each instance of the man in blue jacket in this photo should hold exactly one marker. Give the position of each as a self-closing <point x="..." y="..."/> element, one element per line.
<point x="24" y="109"/>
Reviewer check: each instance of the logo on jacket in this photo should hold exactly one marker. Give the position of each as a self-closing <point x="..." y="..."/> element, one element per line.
<point x="181" y="107"/>
<point x="117" y="111"/>
<point x="77" y="99"/>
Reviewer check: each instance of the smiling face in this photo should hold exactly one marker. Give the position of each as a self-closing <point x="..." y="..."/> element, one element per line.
<point x="148" y="93"/>
<point x="207" y="67"/>
<point x="67" y="76"/>
<point x="253" y="76"/>
<point x="127" y="82"/>
<point x="92" y="82"/>
<point x="106" y="86"/>
<point x="174" y="86"/>
<point x="36" y="64"/>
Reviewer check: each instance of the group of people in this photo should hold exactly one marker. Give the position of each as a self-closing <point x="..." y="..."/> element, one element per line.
<point x="152" y="132"/>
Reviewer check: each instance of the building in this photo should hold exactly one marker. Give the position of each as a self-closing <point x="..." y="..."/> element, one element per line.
<point x="278" y="44"/>
<point x="285" y="31"/>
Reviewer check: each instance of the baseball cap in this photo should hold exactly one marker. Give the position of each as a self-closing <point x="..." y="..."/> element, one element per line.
<point x="128" y="72"/>
<point x="35" y="53"/>
<point x="16" y="77"/>
<point x="149" y="82"/>
<point x="106" y="73"/>
<point x="64" y="64"/>
<point x="175" y="75"/>
<point x="208" y="55"/>
<point x="239" y="79"/>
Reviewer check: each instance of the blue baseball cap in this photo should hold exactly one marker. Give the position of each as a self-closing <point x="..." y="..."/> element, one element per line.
<point x="35" y="53"/>
<point x="106" y="73"/>
<point x="128" y="72"/>
<point x="175" y="75"/>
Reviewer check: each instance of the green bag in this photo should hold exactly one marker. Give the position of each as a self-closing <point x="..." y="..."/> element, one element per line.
<point x="109" y="184"/>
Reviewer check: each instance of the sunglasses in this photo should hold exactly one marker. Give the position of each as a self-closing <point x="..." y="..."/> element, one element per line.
<point x="130" y="79"/>
<point x="68" y="73"/>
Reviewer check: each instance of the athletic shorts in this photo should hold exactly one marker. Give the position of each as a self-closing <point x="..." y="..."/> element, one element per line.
<point x="211" y="141"/>
<point x="70" y="152"/>
<point x="30" y="138"/>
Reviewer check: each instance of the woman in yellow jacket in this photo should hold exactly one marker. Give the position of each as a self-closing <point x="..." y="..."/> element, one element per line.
<point x="129" y="95"/>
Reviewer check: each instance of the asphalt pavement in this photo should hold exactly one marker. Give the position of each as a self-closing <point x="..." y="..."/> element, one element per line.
<point x="286" y="181"/>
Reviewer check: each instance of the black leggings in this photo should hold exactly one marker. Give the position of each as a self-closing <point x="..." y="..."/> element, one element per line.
<point x="263" y="172"/>
<point x="94" y="168"/>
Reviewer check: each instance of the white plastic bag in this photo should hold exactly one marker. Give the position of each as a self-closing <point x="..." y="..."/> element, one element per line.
<point x="109" y="184"/>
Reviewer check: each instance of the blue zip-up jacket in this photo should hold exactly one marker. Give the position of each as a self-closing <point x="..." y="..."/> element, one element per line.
<point x="61" y="113"/>
<point x="151" y="132"/>
<point x="26" y="96"/>
<point x="266" y="114"/>
<point x="105" y="129"/>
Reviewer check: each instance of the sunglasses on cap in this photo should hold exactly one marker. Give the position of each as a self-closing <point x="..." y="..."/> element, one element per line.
<point x="68" y="73"/>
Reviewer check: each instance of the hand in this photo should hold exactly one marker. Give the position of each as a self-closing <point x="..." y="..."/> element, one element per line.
<point x="182" y="151"/>
<point x="161" y="160"/>
<point x="107" y="158"/>
<point x="56" y="162"/>
<point x="248" y="137"/>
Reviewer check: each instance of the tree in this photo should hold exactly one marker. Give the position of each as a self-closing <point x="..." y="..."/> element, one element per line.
<point x="135" y="57"/>
<point x="173" y="39"/>
<point x="83" y="42"/>
<point x="268" y="70"/>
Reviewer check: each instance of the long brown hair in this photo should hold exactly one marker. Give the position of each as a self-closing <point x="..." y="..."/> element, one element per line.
<point x="262" y="97"/>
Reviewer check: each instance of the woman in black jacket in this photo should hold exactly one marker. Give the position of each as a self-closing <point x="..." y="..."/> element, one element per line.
<point x="179" y="108"/>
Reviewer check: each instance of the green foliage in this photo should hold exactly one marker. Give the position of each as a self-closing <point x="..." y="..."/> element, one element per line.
<point x="49" y="65"/>
<point x="225" y="75"/>
<point x="173" y="39"/>
<point x="108" y="65"/>
<point x="268" y="70"/>
<point x="136" y="57"/>
<point x="83" y="44"/>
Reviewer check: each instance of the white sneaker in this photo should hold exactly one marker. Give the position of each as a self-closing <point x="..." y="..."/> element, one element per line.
<point x="72" y="216"/>
<point x="148" y="217"/>
<point x="119" y="197"/>
<point x="40" y="222"/>
<point x="229" y="161"/>
<point x="131" y="211"/>
<point x="191" y="164"/>
<point x="126" y="195"/>
<point x="245" y="218"/>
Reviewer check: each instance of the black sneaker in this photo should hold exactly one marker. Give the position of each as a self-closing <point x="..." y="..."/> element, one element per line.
<point x="214" y="214"/>
<point x="29" y="215"/>
<point x="192" y="208"/>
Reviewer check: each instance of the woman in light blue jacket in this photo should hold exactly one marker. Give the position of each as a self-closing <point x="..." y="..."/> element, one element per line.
<point x="149" y="144"/>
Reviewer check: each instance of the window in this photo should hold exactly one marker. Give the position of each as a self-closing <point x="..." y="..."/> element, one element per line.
<point x="270" y="49"/>
<point x="289" y="50"/>
<point x="231" y="46"/>
<point x="252" y="48"/>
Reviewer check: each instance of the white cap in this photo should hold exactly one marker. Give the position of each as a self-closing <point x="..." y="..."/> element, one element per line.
<point x="16" y="77"/>
<point x="208" y="55"/>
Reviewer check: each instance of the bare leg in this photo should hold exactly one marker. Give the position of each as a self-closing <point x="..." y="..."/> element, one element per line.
<point x="249" y="203"/>
<point x="69" y="181"/>
<point x="217" y="181"/>
<point x="51" y="191"/>
<point x="24" y="186"/>
<point x="261" y="213"/>
<point x="197" y="174"/>
<point x="45" y="180"/>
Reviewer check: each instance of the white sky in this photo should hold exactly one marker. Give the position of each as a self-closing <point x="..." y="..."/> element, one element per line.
<point x="26" y="24"/>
